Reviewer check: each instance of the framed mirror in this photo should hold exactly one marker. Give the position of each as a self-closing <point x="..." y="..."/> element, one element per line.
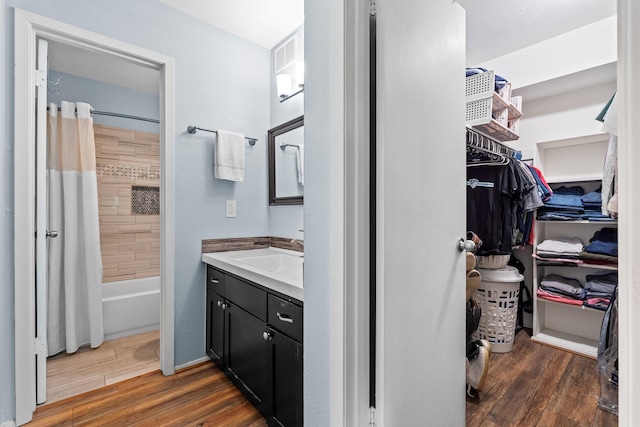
<point x="286" y="163"/>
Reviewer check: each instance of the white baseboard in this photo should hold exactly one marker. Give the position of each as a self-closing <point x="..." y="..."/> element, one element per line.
<point x="10" y="423"/>
<point x="188" y="364"/>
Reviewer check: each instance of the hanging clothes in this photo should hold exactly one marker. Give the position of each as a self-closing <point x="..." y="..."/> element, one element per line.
<point x="501" y="198"/>
<point x="74" y="308"/>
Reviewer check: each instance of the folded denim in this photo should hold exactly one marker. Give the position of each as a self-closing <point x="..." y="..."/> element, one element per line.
<point x="592" y="197"/>
<point x="600" y="247"/>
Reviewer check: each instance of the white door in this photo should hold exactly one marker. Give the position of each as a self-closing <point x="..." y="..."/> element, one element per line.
<point x="41" y="223"/>
<point x="421" y="213"/>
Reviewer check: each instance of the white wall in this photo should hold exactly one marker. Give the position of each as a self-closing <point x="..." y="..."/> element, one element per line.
<point x="7" y="409"/>
<point x="318" y="196"/>
<point x="214" y="88"/>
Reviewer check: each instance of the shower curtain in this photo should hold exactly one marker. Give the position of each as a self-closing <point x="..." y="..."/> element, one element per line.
<point x="74" y="312"/>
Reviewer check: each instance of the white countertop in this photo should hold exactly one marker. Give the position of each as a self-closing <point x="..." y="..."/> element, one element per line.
<point x="288" y="281"/>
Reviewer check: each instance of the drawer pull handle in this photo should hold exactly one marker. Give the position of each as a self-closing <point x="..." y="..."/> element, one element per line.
<point x="215" y="281"/>
<point x="284" y="318"/>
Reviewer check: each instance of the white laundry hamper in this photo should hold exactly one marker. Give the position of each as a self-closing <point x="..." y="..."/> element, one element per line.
<point x="498" y="298"/>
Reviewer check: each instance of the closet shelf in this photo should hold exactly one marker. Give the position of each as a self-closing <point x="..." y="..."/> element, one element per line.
<point x="500" y="103"/>
<point x="578" y="221"/>
<point x="573" y="343"/>
<point x="570" y="306"/>
<point x="495" y="130"/>
<point x="540" y="263"/>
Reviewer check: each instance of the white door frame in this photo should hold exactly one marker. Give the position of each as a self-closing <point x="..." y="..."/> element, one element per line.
<point x="28" y="27"/>
<point x="346" y="404"/>
<point x="628" y="95"/>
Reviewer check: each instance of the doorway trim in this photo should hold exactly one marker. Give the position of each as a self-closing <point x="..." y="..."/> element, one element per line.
<point x="28" y="27"/>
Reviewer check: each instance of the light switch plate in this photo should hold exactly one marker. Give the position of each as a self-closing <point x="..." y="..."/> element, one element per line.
<point x="230" y="209"/>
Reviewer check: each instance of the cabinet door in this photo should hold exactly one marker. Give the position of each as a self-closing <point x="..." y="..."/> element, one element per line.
<point x="246" y="355"/>
<point x="286" y="365"/>
<point x="215" y="327"/>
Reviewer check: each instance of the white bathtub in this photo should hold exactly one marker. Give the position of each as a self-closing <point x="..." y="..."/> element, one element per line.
<point x="130" y="307"/>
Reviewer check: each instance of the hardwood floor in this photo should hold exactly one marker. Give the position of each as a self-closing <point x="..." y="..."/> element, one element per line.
<point x="532" y="386"/>
<point x="114" y="361"/>
<point x="198" y="396"/>
<point x="536" y="385"/>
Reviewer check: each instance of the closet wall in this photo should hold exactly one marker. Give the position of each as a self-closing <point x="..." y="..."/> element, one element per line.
<point x="561" y="98"/>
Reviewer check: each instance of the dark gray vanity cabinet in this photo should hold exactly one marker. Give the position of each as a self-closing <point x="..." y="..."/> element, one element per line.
<point x="255" y="336"/>
<point x="215" y="316"/>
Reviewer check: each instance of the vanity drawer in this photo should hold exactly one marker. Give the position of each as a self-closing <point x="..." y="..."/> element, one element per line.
<point x="246" y="296"/>
<point x="215" y="280"/>
<point x="285" y="317"/>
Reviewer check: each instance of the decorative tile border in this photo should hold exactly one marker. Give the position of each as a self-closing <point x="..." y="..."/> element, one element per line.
<point x="246" y="243"/>
<point x="135" y="172"/>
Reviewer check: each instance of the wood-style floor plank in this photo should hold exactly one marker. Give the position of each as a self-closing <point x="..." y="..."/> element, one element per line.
<point x="539" y="386"/>
<point x="114" y="361"/>
<point x="199" y="396"/>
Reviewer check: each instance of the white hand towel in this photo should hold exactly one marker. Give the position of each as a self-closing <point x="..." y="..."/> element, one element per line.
<point x="229" y="161"/>
<point x="300" y="161"/>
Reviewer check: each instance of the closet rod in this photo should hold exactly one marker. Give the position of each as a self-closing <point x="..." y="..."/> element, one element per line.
<point x="192" y="130"/>
<point x="479" y="140"/>
<point x="124" y="116"/>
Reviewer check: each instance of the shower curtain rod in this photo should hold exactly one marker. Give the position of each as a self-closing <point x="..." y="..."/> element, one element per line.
<point x="124" y="116"/>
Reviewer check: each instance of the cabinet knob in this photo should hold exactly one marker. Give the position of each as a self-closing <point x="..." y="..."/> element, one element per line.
<point x="466" y="245"/>
<point x="267" y="335"/>
<point x="219" y="303"/>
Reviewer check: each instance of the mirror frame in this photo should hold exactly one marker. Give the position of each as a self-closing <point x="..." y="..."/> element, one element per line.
<point x="272" y="134"/>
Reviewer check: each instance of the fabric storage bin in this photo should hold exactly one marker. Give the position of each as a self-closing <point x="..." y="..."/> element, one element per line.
<point x="498" y="299"/>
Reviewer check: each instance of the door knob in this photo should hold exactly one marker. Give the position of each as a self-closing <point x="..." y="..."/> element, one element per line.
<point x="466" y="245"/>
<point x="53" y="234"/>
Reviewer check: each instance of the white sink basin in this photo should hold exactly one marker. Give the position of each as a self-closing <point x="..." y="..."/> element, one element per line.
<point x="277" y="262"/>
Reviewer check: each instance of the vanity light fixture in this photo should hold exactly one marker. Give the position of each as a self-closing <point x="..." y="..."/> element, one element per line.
<point x="283" y="82"/>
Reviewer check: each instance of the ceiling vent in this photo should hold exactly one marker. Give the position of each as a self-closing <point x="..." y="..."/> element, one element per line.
<point x="287" y="53"/>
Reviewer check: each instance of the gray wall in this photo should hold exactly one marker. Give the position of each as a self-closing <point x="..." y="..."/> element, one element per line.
<point x="222" y="82"/>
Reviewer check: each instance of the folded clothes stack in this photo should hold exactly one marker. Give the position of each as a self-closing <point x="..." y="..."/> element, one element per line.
<point x="600" y="288"/>
<point x="597" y="291"/>
<point x="571" y="203"/>
<point x="602" y="248"/>
<point x="555" y="287"/>
<point x="559" y="251"/>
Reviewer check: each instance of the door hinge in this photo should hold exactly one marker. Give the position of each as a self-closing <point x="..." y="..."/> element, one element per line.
<point x="41" y="346"/>
<point x="372" y="416"/>
<point x="372" y="7"/>
<point x="40" y="77"/>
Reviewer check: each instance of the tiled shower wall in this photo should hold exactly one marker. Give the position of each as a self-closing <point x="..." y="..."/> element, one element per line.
<point x="130" y="243"/>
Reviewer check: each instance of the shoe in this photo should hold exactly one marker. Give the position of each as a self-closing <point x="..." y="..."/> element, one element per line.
<point x="486" y="344"/>
<point x="471" y="261"/>
<point x="478" y="369"/>
<point x="473" y="283"/>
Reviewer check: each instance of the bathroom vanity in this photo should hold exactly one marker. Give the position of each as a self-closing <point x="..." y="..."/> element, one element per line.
<point x="254" y="327"/>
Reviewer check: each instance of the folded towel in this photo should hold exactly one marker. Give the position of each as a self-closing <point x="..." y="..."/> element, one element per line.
<point x="300" y="161"/>
<point x="229" y="161"/>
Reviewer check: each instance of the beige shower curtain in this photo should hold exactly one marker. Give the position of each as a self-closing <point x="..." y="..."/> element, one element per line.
<point x="74" y="311"/>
